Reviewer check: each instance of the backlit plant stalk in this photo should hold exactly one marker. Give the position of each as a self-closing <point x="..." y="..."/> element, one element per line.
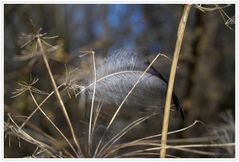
<point x="180" y="34"/>
<point x="38" y="37"/>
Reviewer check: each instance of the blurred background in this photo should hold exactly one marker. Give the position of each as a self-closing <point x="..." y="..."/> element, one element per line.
<point x="205" y="81"/>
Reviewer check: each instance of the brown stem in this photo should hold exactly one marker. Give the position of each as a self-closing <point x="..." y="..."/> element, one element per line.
<point x="92" y="107"/>
<point x="68" y="142"/>
<point x="63" y="108"/>
<point x="180" y="34"/>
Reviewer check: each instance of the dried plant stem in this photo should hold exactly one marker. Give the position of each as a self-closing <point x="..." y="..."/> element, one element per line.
<point x="25" y="136"/>
<point x="180" y="34"/>
<point x="122" y="103"/>
<point x="68" y="142"/>
<point x="148" y="138"/>
<point x="57" y="92"/>
<point x="92" y="106"/>
<point x="30" y="116"/>
<point x="182" y="148"/>
<point x="114" y="139"/>
<point x="97" y="114"/>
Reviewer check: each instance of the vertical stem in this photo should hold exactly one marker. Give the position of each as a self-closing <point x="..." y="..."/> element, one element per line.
<point x="180" y="34"/>
<point x="92" y="107"/>
<point x="57" y="92"/>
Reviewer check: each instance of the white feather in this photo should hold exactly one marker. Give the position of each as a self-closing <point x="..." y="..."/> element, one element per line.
<point x="117" y="75"/>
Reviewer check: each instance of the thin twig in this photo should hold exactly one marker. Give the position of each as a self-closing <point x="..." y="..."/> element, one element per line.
<point x="114" y="139"/>
<point x="14" y="129"/>
<point x="37" y="108"/>
<point x="53" y="124"/>
<point x="180" y="34"/>
<point x="96" y="117"/>
<point x="122" y="103"/>
<point x="92" y="106"/>
<point x="57" y="92"/>
<point x="181" y="147"/>
<point x="148" y="138"/>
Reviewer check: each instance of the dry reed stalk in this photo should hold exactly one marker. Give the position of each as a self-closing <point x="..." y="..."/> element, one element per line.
<point x="57" y="91"/>
<point x="122" y="103"/>
<point x="92" y="106"/>
<point x="37" y="108"/>
<point x="180" y="34"/>
<point x="53" y="124"/>
<point x="148" y="138"/>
